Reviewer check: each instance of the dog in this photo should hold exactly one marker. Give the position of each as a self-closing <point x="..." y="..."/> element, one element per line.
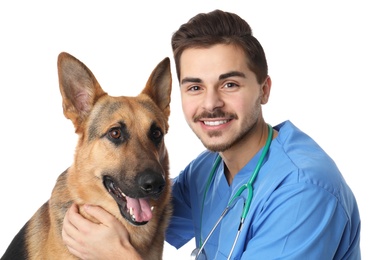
<point x="120" y="163"/>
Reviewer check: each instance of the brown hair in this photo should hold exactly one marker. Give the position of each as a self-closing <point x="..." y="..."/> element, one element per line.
<point x="219" y="27"/>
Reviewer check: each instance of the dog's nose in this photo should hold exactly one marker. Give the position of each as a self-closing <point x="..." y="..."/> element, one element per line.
<point x="151" y="182"/>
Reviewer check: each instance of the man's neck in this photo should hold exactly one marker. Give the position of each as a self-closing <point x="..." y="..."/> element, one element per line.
<point x="241" y="153"/>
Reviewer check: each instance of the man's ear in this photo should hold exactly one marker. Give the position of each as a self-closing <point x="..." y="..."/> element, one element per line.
<point x="266" y="90"/>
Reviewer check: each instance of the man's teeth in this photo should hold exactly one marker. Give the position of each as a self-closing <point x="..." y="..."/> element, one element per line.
<point x="215" y="123"/>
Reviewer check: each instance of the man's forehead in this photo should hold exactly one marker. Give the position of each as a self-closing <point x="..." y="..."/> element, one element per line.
<point x="218" y="62"/>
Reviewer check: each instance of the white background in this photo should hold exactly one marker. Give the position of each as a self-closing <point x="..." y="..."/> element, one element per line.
<point x="329" y="62"/>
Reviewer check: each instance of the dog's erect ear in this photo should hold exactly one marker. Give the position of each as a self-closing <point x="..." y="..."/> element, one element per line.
<point x="159" y="86"/>
<point x="79" y="88"/>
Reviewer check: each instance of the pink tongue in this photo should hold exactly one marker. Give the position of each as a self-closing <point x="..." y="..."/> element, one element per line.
<point x="141" y="209"/>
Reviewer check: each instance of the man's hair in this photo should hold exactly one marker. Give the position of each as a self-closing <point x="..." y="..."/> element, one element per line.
<point x="218" y="27"/>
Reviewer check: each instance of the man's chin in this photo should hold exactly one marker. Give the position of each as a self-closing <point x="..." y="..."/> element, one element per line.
<point x="213" y="141"/>
<point x="217" y="147"/>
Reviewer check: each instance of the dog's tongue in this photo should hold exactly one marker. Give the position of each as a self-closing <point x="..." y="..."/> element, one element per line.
<point x="140" y="208"/>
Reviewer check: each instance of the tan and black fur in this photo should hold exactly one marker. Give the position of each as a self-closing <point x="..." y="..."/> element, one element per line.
<point x="120" y="159"/>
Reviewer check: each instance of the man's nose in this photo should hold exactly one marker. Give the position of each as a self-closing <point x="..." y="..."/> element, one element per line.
<point x="212" y="100"/>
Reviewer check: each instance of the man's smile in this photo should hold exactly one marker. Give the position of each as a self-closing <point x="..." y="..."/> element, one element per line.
<point x="215" y="122"/>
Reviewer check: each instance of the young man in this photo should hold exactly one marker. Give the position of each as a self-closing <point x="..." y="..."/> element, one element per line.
<point x="294" y="202"/>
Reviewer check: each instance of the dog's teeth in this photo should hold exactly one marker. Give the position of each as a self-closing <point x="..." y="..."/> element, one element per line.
<point x="131" y="212"/>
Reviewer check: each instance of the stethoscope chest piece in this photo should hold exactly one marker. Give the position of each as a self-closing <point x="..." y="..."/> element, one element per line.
<point x="196" y="254"/>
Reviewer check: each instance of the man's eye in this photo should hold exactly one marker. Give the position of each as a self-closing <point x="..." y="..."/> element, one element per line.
<point x="194" y="88"/>
<point x="230" y="85"/>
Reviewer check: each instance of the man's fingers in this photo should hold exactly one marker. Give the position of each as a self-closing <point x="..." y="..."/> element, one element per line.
<point x="71" y="233"/>
<point x="70" y="243"/>
<point x="75" y="252"/>
<point x="85" y="238"/>
<point x="76" y="220"/>
<point x="99" y="214"/>
<point x="69" y="228"/>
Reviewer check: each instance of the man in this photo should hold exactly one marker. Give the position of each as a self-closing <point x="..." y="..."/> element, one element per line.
<point x="294" y="202"/>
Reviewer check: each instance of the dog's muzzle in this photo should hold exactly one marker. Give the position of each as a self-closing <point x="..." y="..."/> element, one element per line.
<point x="134" y="200"/>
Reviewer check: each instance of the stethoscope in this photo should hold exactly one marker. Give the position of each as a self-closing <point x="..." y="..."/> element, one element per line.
<point x="197" y="253"/>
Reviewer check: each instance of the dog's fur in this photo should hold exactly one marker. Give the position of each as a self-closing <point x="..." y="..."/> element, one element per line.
<point x="120" y="162"/>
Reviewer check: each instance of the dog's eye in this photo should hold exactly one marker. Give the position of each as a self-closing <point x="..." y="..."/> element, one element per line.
<point x="118" y="134"/>
<point x="115" y="133"/>
<point x="156" y="134"/>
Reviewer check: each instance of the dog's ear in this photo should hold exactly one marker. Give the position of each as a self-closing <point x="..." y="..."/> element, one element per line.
<point x="159" y="86"/>
<point x="79" y="88"/>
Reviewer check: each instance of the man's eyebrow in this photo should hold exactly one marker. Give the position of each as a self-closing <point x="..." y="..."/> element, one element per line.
<point x="191" y="80"/>
<point x="221" y="77"/>
<point x="232" y="74"/>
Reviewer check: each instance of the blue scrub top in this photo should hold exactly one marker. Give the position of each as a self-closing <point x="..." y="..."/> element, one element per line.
<point x="302" y="208"/>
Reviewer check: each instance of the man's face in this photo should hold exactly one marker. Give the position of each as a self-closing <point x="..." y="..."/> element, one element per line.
<point x="221" y="98"/>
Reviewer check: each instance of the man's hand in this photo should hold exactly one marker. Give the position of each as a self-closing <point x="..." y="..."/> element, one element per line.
<point x="88" y="240"/>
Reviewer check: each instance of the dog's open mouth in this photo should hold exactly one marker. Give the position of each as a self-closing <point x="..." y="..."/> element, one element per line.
<point x="135" y="210"/>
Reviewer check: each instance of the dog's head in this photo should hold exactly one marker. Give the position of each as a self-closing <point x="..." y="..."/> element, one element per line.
<point x="120" y="155"/>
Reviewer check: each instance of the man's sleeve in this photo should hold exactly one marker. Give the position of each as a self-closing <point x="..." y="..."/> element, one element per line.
<point x="300" y="221"/>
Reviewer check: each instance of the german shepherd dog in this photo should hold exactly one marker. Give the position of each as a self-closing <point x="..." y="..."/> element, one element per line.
<point x="120" y="163"/>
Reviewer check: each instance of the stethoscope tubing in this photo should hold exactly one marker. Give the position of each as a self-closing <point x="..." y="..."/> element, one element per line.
<point x="247" y="203"/>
